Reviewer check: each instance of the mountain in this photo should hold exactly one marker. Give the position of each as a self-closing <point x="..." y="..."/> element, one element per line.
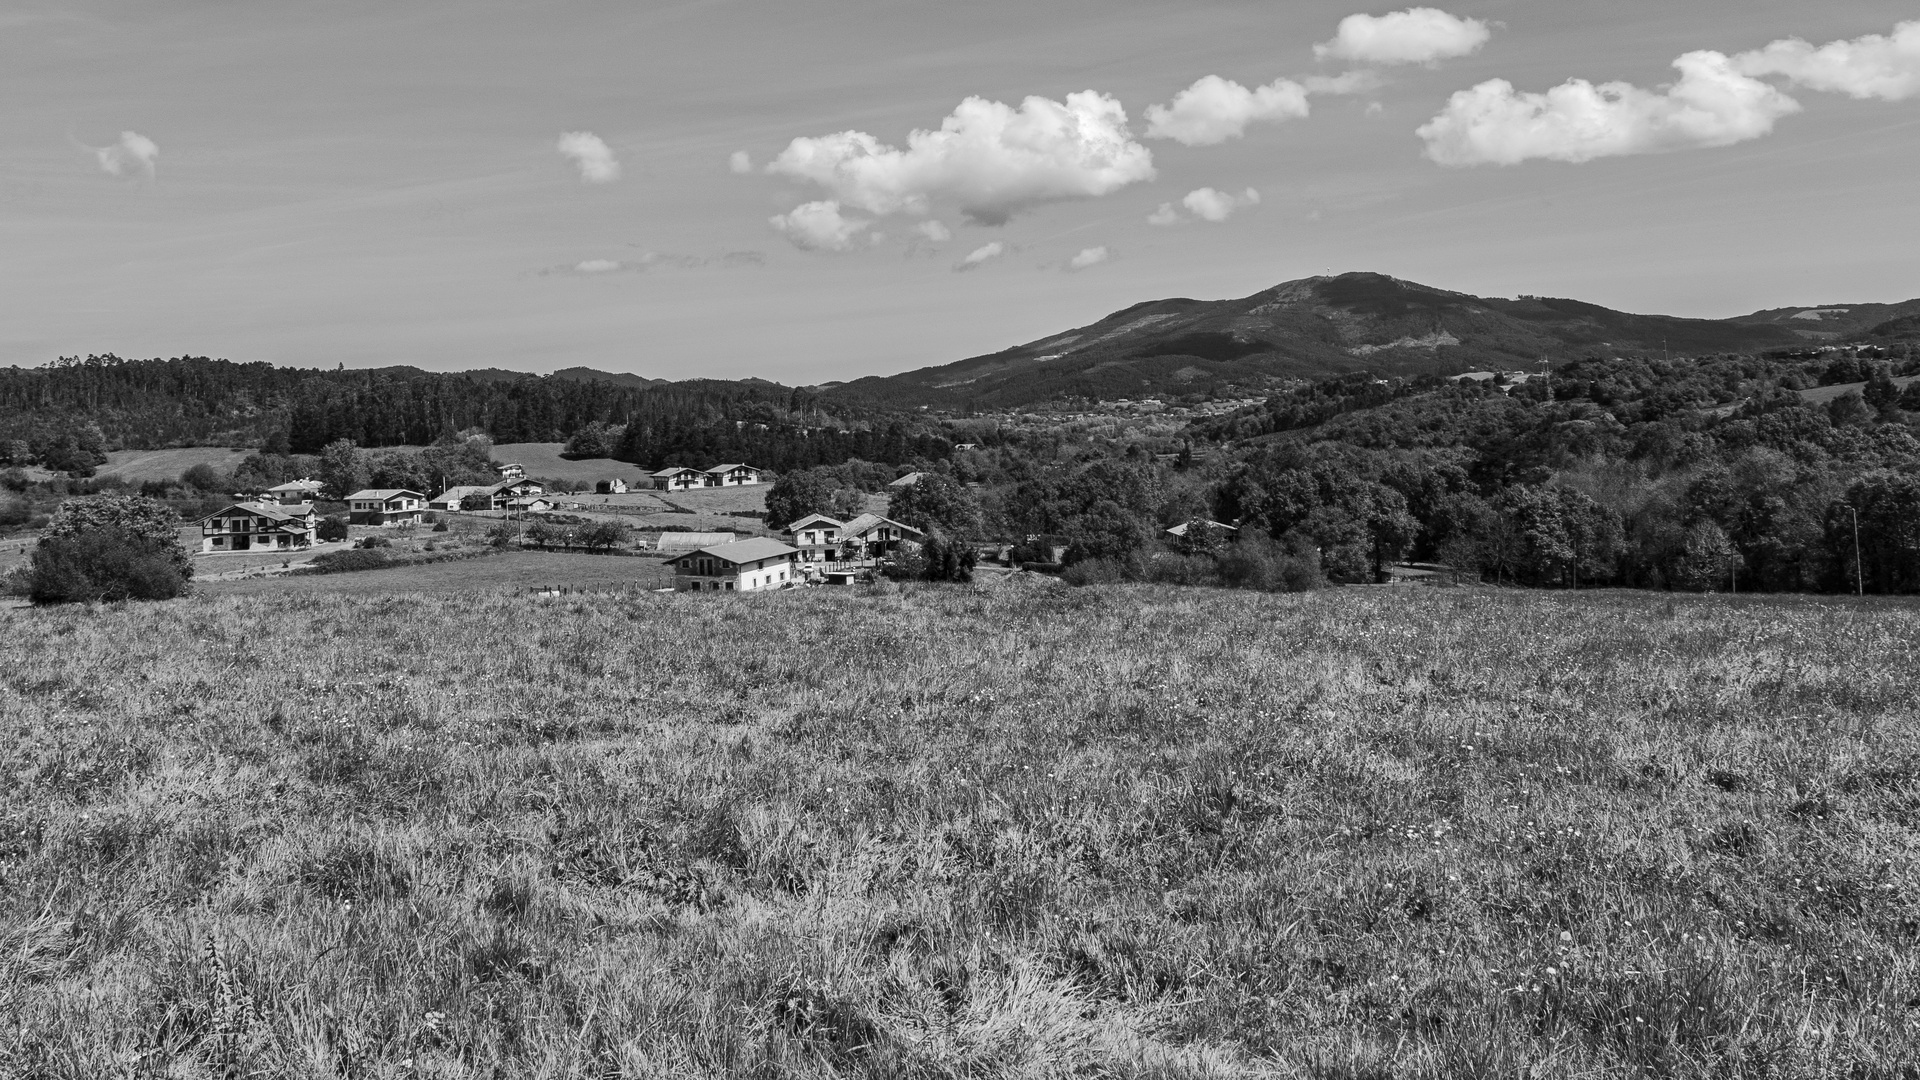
<point x="572" y="374"/>
<point x="1321" y="326"/>
<point x="1831" y="321"/>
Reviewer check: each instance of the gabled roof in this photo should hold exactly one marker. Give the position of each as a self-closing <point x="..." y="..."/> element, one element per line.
<point x="867" y="522"/>
<point x="383" y="494"/>
<point x="1181" y="529"/>
<point x="461" y="491"/>
<point x="746" y="551"/>
<point x="673" y="470"/>
<point x="808" y="522"/>
<point x="266" y="510"/>
<point x="298" y="485"/>
<point x="729" y="467"/>
<point x="908" y="480"/>
<point x="692" y="541"/>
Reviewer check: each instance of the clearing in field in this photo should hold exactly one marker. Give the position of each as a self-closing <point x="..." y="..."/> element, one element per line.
<point x="954" y="831"/>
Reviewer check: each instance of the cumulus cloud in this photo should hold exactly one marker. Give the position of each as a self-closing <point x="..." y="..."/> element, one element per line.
<point x="1165" y="215"/>
<point x="934" y="231"/>
<point x="740" y="162"/>
<point x="1873" y="66"/>
<point x="989" y="159"/>
<point x="1210" y="205"/>
<point x="1420" y="35"/>
<point x="981" y="254"/>
<point x="1214" y="110"/>
<point x="1092" y="256"/>
<point x="818" y="226"/>
<point x="591" y="155"/>
<point x="1711" y="105"/>
<point x="134" y="154"/>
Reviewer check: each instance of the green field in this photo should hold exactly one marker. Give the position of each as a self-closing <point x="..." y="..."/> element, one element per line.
<point x="543" y="459"/>
<point x="512" y="571"/>
<point x="961" y="832"/>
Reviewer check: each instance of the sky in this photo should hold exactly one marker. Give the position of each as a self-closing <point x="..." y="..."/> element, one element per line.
<point x="815" y="190"/>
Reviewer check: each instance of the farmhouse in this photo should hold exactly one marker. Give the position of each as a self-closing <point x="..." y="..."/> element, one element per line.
<point x="742" y="566"/>
<point x="385" y="506"/>
<point x="678" y="478"/>
<point x="450" y="499"/>
<point x="295" y="492"/>
<point x="817" y="537"/>
<point x="260" y="526"/>
<point x="733" y="475"/>
<point x="532" y="504"/>
<point x="511" y="471"/>
<point x="874" y="535"/>
<point x="615" y="486"/>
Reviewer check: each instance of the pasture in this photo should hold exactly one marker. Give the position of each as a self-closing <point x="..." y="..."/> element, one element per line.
<point x="961" y="832"/>
<point x="543" y="459"/>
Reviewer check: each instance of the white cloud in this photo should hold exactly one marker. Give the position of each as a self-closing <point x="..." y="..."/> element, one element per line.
<point x="1420" y="35"/>
<point x="1092" y="256"/>
<point x="818" y="226"/>
<point x="1358" y="81"/>
<point x="740" y="162"/>
<point x="1873" y="66"/>
<point x="989" y="159"/>
<point x="134" y="153"/>
<point x="597" y="266"/>
<point x="1711" y="105"/>
<point x="1208" y="204"/>
<point x="591" y="155"/>
<point x="934" y="231"/>
<point x="1214" y="110"/>
<point x="1166" y="215"/>
<point x="982" y="254"/>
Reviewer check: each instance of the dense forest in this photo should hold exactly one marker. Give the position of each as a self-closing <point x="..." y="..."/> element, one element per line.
<point x="66" y="414"/>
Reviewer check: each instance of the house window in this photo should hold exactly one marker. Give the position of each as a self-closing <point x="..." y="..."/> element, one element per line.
<point x="729" y="586"/>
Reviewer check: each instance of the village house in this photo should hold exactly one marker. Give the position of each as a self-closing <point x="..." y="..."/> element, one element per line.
<point x="817" y="537"/>
<point x="677" y="478"/>
<point x="517" y="489"/>
<point x="1226" y="532"/>
<point x="450" y="500"/>
<point x="742" y="566"/>
<point x="260" y="526"/>
<point x="615" y="486"/>
<point x="872" y="535"/>
<point x="511" y="471"/>
<point x="732" y="475"/>
<point x="532" y="504"/>
<point x="386" y="506"/>
<point x="295" y="492"/>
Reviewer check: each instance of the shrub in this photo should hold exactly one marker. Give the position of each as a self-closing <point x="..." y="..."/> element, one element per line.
<point x="110" y="547"/>
<point x="1258" y="563"/>
<point x="338" y="562"/>
<point x="371" y="542"/>
<point x="103" y="564"/>
<point x="440" y="526"/>
<point x="1096" y="572"/>
<point x="334" y="527"/>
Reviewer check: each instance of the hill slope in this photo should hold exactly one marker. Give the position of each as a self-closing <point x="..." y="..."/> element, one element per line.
<point x="1323" y="326"/>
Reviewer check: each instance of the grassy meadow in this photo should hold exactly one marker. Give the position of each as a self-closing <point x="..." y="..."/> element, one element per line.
<point x="961" y="831"/>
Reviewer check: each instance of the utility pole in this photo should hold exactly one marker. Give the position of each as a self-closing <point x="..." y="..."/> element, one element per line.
<point x="1859" y="571"/>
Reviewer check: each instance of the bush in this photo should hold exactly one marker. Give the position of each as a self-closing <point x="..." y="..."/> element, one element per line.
<point x="1182" y="570"/>
<point x="1096" y="572"/>
<point x="103" y="564"/>
<point x="371" y="542"/>
<point x="334" y="527"/>
<point x="1258" y="563"/>
<point x="440" y="526"/>
<point x="339" y="562"/>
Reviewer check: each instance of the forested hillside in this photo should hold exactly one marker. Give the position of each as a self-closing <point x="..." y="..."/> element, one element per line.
<point x="63" y="415"/>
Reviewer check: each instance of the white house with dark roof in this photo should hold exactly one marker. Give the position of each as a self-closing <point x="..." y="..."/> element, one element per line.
<point x="295" y="492"/>
<point x="260" y="526"/>
<point x="817" y="537"/>
<point x="678" y="478"/>
<point x="732" y="475"/>
<point x="386" y="506"/>
<point x="742" y="566"/>
<point x="876" y="535"/>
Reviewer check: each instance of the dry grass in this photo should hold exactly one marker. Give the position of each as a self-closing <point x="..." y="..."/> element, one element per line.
<point x="961" y="833"/>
